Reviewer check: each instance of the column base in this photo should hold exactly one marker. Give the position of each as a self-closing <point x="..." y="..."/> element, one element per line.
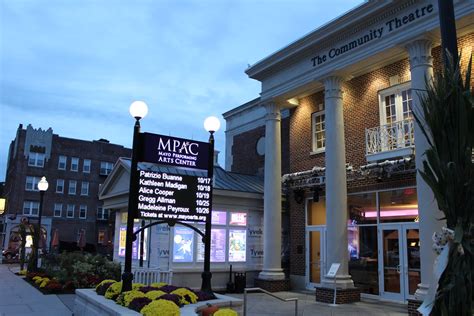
<point x="421" y="292"/>
<point x="413" y="306"/>
<point x="272" y="274"/>
<point x="343" y="296"/>
<point x="342" y="282"/>
<point x="273" y="285"/>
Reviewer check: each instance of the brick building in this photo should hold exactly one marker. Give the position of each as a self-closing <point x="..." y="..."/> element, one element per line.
<point x="74" y="170"/>
<point x="334" y="126"/>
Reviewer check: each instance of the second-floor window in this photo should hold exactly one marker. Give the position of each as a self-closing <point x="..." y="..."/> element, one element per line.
<point x="106" y="168"/>
<point x="102" y="214"/>
<point x="32" y="183"/>
<point x="58" y="209"/>
<point x="60" y="186"/>
<point x="85" y="188"/>
<point x="83" y="211"/>
<point x="62" y="162"/>
<point x="395" y="104"/>
<point x="72" y="187"/>
<point x="74" y="164"/>
<point x="318" y="122"/>
<point x="86" y="167"/>
<point x="70" y="210"/>
<point x="36" y="160"/>
<point x="30" y="208"/>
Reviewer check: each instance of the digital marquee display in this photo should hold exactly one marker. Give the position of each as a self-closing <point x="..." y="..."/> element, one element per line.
<point x="168" y="196"/>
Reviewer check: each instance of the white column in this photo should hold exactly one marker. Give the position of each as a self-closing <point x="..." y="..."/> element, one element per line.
<point x="421" y="67"/>
<point x="336" y="184"/>
<point x="272" y="196"/>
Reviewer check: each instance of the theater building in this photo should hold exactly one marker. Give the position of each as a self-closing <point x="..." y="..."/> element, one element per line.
<point x="333" y="130"/>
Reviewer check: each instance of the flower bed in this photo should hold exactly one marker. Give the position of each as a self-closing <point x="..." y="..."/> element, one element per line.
<point x="156" y="299"/>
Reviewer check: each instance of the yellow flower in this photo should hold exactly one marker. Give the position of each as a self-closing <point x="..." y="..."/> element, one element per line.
<point x="136" y="286"/>
<point x="161" y="308"/>
<point x="226" y="312"/>
<point x="153" y="295"/>
<point x="44" y="282"/>
<point x="159" y="284"/>
<point x="183" y="292"/>
<point x="113" y="290"/>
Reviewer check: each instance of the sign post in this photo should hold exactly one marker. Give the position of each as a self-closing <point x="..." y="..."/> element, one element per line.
<point x="332" y="274"/>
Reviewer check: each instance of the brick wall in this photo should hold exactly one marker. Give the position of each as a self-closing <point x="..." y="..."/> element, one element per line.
<point x="343" y="296"/>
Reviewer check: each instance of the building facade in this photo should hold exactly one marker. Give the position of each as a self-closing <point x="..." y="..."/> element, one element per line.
<point x="74" y="169"/>
<point x="343" y="98"/>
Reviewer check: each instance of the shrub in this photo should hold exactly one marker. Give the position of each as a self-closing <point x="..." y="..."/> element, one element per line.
<point x="113" y="291"/>
<point x="226" y="312"/>
<point x="161" y="308"/>
<point x="103" y="286"/>
<point x="125" y="298"/>
<point x="153" y="295"/>
<point x="138" y="303"/>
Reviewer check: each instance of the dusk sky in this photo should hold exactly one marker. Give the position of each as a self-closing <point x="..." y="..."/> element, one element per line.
<point x="76" y="65"/>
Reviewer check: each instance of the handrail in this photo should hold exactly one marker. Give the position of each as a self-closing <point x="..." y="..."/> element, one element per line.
<point x="257" y="289"/>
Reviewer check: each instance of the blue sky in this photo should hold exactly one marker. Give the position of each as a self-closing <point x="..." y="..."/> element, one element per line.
<point x="76" y="65"/>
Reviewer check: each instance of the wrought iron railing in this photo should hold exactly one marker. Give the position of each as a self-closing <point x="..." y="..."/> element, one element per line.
<point x="390" y="137"/>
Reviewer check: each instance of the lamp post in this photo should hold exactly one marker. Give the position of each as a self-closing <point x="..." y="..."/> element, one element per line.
<point x="42" y="187"/>
<point x="212" y="125"/>
<point x="138" y="110"/>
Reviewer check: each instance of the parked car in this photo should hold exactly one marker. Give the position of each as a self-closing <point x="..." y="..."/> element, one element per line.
<point x="10" y="253"/>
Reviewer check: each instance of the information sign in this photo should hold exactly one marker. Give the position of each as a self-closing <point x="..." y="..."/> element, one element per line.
<point x="173" y="151"/>
<point x="173" y="197"/>
<point x="333" y="270"/>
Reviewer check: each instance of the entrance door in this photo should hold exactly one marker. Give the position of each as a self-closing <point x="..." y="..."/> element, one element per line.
<point x="400" y="261"/>
<point x="315" y="256"/>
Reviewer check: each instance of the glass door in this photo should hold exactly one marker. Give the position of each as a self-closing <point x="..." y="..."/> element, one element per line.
<point x="314" y="256"/>
<point x="400" y="261"/>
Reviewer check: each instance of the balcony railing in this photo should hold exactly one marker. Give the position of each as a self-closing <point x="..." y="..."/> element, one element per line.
<point x="396" y="138"/>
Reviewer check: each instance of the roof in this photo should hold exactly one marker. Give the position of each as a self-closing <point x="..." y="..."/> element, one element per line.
<point x="223" y="180"/>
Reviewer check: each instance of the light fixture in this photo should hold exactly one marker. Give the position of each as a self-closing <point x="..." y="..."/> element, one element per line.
<point x="43" y="184"/>
<point x="2" y="205"/>
<point x="212" y="124"/>
<point x="138" y="109"/>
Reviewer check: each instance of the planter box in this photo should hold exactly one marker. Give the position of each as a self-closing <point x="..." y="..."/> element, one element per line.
<point x="88" y="303"/>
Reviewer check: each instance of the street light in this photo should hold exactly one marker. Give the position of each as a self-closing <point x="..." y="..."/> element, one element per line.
<point x="42" y="187"/>
<point x="212" y="125"/>
<point x="138" y="110"/>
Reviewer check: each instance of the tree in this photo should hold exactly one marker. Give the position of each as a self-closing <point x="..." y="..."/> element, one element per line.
<point x="447" y="122"/>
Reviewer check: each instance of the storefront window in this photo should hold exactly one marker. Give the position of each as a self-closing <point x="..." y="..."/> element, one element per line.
<point x="237" y="245"/>
<point x="398" y="205"/>
<point x="239" y="219"/>
<point x="363" y="262"/>
<point x="317" y="212"/>
<point x="362" y="208"/>
<point x="183" y="244"/>
<point x="135" y="245"/>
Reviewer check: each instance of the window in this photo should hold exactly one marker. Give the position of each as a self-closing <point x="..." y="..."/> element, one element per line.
<point x="62" y="162"/>
<point x="102" y="214"/>
<point x="58" y="209"/>
<point x="319" y="130"/>
<point x="30" y="208"/>
<point x="36" y="160"/>
<point x="72" y="187"/>
<point x="85" y="188"/>
<point x="74" y="163"/>
<point x="83" y="211"/>
<point x="70" y="210"/>
<point x="86" y="167"/>
<point x="101" y="237"/>
<point x="106" y="168"/>
<point x="32" y="183"/>
<point x="60" y="186"/>
<point x="395" y="104"/>
<point x="237" y="245"/>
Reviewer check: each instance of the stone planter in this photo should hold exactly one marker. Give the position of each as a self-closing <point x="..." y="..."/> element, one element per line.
<point x="88" y="303"/>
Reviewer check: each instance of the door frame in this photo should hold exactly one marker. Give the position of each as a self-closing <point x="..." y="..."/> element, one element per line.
<point x="322" y="233"/>
<point x="403" y="261"/>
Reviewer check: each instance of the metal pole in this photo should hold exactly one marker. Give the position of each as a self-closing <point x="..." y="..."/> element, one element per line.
<point x="447" y="24"/>
<point x="142" y="243"/>
<point x="127" y="275"/>
<point x="38" y="231"/>
<point x="207" y="275"/>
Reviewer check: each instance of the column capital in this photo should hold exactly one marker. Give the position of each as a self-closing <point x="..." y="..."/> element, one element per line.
<point x="333" y="86"/>
<point x="273" y="111"/>
<point x="420" y="52"/>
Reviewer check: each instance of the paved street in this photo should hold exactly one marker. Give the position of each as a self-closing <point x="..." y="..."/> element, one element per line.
<point x="18" y="298"/>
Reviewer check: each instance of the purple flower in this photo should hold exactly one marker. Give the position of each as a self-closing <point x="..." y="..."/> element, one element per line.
<point x="138" y="303"/>
<point x="168" y="288"/>
<point x="171" y="297"/>
<point x="146" y="289"/>
<point x="203" y="296"/>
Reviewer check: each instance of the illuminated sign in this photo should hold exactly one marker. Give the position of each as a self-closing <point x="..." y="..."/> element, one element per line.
<point x="173" y="151"/>
<point x="175" y="197"/>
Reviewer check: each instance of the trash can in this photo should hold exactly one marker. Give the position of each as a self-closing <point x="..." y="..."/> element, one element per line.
<point x="240" y="280"/>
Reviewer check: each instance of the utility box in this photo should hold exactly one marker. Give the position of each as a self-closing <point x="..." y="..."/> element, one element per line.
<point x="240" y="280"/>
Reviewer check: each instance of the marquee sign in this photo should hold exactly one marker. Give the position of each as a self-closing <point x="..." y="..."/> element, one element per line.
<point x="173" y="151"/>
<point x="165" y="196"/>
